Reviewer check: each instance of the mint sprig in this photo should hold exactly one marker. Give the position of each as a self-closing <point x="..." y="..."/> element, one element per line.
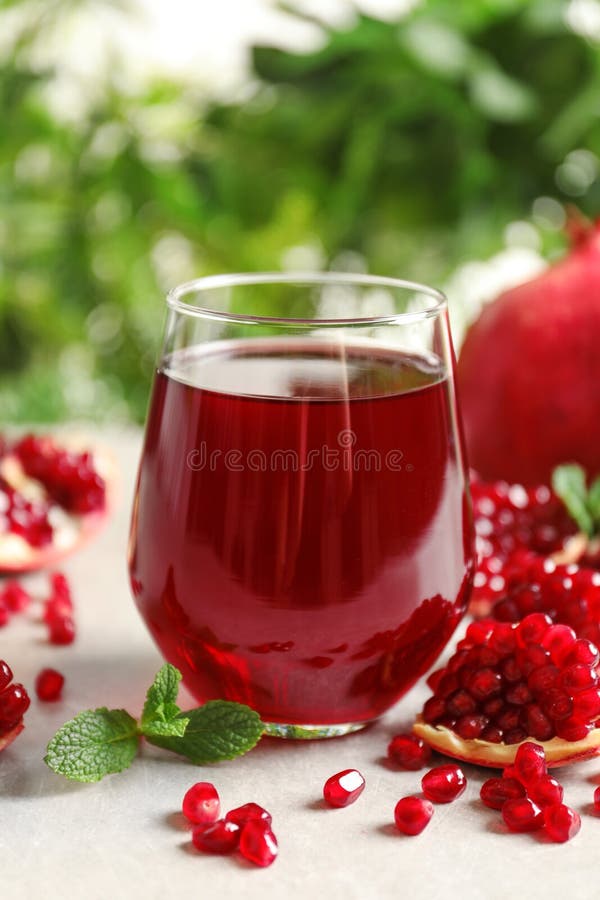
<point x="104" y="741"/>
<point x="582" y="503"/>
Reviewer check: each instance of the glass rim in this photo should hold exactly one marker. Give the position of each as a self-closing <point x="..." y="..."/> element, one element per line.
<point x="176" y="302"/>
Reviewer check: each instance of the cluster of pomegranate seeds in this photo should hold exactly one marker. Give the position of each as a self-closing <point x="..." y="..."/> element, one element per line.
<point x="529" y="798"/>
<point x="409" y="752"/>
<point x="509" y="681"/>
<point x="570" y="595"/>
<point x="48" y="685"/>
<point x="513" y="524"/>
<point x="343" y="788"/>
<point x="58" y="611"/>
<point x="246" y="828"/>
<point x="69" y="478"/>
<point x="26" y="518"/>
<point x="14" y="703"/>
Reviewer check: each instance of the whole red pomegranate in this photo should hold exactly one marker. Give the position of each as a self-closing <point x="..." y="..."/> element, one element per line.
<point x="529" y="371"/>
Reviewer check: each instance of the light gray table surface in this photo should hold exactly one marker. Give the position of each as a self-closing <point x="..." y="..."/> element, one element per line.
<point x="122" y="838"/>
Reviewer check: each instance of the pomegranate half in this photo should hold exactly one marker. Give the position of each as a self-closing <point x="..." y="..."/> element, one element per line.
<point x="54" y="497"/>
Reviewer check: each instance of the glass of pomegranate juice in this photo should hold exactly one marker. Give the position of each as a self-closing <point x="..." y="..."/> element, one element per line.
<point x="301" y="538"/>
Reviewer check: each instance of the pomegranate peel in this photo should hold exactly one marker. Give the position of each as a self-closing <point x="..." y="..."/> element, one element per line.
<point x="497" y="756"/>
<point x="53" y="531"/>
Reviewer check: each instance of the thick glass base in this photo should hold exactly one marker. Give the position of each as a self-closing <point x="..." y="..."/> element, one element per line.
<point x="311" y="732"/>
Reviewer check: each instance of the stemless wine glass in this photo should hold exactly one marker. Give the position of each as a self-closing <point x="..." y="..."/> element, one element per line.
<point x="301" y="538"/>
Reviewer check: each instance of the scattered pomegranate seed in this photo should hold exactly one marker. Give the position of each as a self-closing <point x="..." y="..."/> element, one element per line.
<point x="444" y="784"/>
<point x="522" y="814"/>
<point x="258" y="844"/>
<point x="561" y="823"/>
<point x="217" y="837"/>
<point x="15" y="597"/>
<point x="246" y="813"/>
<point x="344" y="788"/>
<point x="409" y="752"/>
<point x="412" y="815"/>
<point x="62" y="631"/>
<point x="6" y="675"/>
<point x="4" y="614"/>
<point x="49" y="684"/>
<point x="201" y="804"/>
<point x="496" y="791"/>
<point x="597" y="798"/>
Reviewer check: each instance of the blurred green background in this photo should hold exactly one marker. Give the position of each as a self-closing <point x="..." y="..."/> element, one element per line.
<point x="441" y="146"/>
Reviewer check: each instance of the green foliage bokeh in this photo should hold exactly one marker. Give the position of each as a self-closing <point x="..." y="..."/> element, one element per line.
<point x="411" y="144"/>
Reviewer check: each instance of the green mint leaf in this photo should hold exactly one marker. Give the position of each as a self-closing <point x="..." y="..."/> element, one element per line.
<point x="218" y="730"/>
<point x="160" y="705"/>
<point x="173" y="728"/>
<point x="594" y="503"/>
<point x="568" y="483"/>
<point x="95" y="743"/>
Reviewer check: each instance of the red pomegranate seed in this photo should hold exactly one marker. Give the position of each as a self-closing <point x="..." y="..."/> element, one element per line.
<point x="14" y="703"/>
<point x="4" y="614"/>
<point x="49" y="684"/>
<point x="218" y="837"/>
<point x="597" y="798"/>
<point x="485" y="683"/>
<point x="471" y="727"/>
<point x="408" y="751"/>
<point x="547" y="791"/>
<point x="559" y="641"/>
<point x="532" y="629"/>
<point x="201" y="804"/>
<point x="561" y="823"/>
<point x="522" y="815"/>
<point x="530" y="763"/>
<point x="578" y="677"/>
<point x="344" y="788"/>
<point x="15" y="597"/>
<point x="258" y="844"/>
<point x="573" y="730"/>
<point x="6" y="675"/>
<point x="586" y="705"/>
<point x="241" y="815"/>
<point x="496" y="791"/>
<point x="583" y="652"/>
<point x="62" y="630"/>
<point x="412" y="815"/>
<point x="444" y="784"/>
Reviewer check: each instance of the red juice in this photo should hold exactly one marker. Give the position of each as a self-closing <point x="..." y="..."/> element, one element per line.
<point x="301" y="537"/>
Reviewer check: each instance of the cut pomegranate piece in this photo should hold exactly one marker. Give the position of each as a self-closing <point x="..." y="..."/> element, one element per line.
<point x="48" y="685"/>
<point x="515" y="526"/>
<point x="217" y="837"/>
<point x="53" y="497"/>
<point x="444" y="784"/>
<point x="201" y="804"/>
<point x="543" y="696"/>
<point x="14" y="703"/>
<point x="241" y="815"/>
<point x="409" y="752"/>
<point x="561" y="823"/>
<point x="344" y="788"/>
<point x="522" y="815"/>
<point x="412" y="815"/>
<point x="258" y="844"/>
